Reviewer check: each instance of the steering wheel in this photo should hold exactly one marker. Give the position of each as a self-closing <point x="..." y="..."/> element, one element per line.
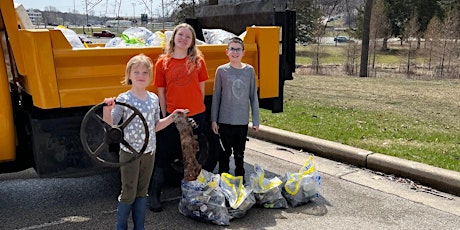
<point x="98" y="149"/>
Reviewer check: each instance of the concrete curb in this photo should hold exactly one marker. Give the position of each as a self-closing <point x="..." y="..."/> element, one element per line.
<point x="438" y="178"/>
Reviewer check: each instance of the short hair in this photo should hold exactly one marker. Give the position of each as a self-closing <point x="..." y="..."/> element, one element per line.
<point x="136" y="60"/>
<point x="236" y="40"/>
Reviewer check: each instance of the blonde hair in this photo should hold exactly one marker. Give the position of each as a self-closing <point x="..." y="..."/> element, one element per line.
<point x="194" y="55"/>
<point x="140" y="59"/>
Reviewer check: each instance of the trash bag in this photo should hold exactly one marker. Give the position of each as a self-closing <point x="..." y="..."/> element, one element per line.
<point x="115" y="42"/>
<point x="203" y="200"/>
<point x="267" y="192"/>
<point x="240" y="199"/>
<point x="137" y="36"/>
<point x="217" y="36"/>
<point x="71" y="37"/>
<point x="156" y="39"/>
<point x="303" y="186"/>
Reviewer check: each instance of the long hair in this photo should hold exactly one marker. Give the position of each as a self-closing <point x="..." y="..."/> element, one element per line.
<point x="194" y="55"/>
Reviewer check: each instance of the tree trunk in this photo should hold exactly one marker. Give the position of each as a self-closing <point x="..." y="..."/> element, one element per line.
<point x="408" y="59"/>
<point x="365" y="41"/>
<point x="385" y="44"/>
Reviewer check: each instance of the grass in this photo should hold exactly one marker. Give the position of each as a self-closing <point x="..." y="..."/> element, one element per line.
<point x="331" y="54"/>
<point x="410" y="119"/>
<point x="328" y="54"/>
<point x="390" y="114"/>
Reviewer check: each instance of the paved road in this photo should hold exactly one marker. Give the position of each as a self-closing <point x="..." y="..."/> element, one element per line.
<point x="351" y="198"/>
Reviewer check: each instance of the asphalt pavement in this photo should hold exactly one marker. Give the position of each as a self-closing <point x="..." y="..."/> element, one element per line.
<point x="437" y="178"/>
<point x="351" y="197"/>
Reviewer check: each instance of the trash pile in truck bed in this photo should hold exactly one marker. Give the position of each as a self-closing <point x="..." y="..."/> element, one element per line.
<point x="143" y="37"/>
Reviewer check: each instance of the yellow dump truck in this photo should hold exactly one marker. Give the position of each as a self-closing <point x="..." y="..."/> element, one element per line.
<point x="47" y="87"/>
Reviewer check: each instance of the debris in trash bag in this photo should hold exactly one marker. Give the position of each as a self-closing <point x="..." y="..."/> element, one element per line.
<point x="240" y="198"/>
<point x="303" y="186"/>
<point x="273" y="198"/>
<point x="203" y="200"/>
<point x="218" y="199"/>
<point x="217" y="36"/>
<point x="137" y="36"/>
<point x="71" y="37"/>
<point x="241" y="211"/>
<point x="267" y="192"/>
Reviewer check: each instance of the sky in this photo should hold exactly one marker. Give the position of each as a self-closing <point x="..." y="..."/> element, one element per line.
<point x="128" y="7"/>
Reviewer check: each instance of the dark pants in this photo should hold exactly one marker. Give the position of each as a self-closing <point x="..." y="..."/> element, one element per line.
<point x="234" y="141"/>
<point x="168" y="142"/>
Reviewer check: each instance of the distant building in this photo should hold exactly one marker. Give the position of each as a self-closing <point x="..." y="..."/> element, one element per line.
<point x="118" y="23"/>
<point x="35" y="16"/>
<point x="225" y="2"/>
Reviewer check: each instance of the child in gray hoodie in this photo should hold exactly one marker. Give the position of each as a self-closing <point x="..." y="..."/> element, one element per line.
<point x="235" y="92"/>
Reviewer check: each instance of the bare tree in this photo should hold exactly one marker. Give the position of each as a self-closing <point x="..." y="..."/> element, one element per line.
<point x="432" y="38"/>
<point x="328" y="8"/>
<point x="348" y="9"/>
<point x="352" y="54"/>
<point x="89" y="7"/>
<point x="378" y="27"/>
<point x="410" y="33"/>
<point x="50" y="15"/>
<point x="148" y="4"/>
<point x="449" y="43"/>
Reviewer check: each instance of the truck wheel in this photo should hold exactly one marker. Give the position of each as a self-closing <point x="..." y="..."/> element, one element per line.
<point x="99" y="149"/>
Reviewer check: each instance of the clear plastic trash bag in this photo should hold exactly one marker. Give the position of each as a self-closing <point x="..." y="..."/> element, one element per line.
<point x="303" y="186"/>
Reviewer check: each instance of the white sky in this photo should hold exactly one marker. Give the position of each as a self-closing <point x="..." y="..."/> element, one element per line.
<point x="127" y="9"/>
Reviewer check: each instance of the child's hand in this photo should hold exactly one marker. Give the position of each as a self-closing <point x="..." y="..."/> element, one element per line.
<point x="106" y="110"/>
<point x="174" y="114"/>
<point x="110" y="103"/>
<point x="180" y="111"/>
<point x="215" y="127"/>
<point x="256" y="128"/>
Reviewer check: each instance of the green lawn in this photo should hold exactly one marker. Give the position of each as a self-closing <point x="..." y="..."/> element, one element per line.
<point x="410" y="119"/>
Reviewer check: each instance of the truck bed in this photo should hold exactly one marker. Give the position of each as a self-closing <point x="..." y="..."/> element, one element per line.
<point x="59" y="76"/>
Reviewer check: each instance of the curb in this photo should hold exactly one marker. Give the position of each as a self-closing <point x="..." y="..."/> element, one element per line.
<point x="438" y="178"/>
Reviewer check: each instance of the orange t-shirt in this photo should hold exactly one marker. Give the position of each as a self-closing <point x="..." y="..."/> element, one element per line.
<point x="182" y="89"/>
